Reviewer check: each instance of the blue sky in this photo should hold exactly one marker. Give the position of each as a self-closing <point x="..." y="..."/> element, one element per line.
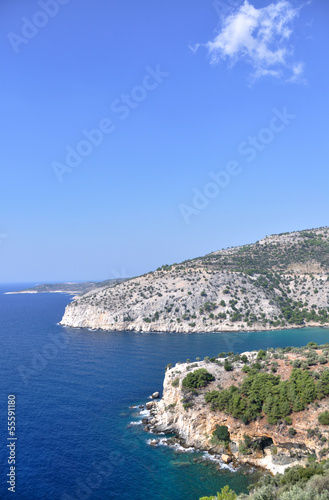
<point x="210" y="129"/>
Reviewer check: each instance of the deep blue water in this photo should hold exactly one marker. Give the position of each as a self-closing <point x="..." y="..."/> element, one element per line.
<point x="73" y="390"/>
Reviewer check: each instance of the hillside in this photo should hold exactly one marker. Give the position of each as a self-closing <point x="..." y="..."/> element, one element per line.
<point x="280" y="281"/>
<point x="267" y="408"/>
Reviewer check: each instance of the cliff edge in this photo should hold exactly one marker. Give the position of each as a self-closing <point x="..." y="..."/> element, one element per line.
<point x="264" y="408"/>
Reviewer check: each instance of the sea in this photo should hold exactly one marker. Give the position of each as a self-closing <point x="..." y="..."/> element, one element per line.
<point x="78" y="432"/>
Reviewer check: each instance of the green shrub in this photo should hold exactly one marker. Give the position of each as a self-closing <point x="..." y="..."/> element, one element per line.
<point x="274" y="367"/>
<point x="225" y="494"/>
<point x="266" y="393"/>
<point x="323" y="418"/>
<point x="221" y="433"/>
<point x="227" y="366"/>
<point x="175" y="382"/>
<point x="261" y="354"/>
<point x="266" y="492"/>
<point x="198" y="378"/>
<point x="300" y="474"/>
<point x="257" y="366"/>
<point x="244" y="446"/>
<point x="296" y="483"/>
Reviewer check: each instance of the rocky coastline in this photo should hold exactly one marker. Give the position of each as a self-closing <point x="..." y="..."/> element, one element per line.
<point x="271" y="447"/>
<point x="277" y="283"/>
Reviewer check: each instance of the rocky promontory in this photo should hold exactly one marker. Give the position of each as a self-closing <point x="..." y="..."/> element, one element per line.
<point x="266" y="408"/>
<point x="279" y="282"/>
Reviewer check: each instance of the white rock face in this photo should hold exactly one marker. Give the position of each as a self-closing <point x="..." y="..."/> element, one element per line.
<point x="210" y="295"/>
<point x="195" y="423"/>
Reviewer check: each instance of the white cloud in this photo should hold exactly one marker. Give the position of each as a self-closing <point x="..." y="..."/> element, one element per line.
<point x="261" y="38"/>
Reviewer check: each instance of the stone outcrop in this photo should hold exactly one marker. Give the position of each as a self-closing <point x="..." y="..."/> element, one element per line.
<point x="195" y="423"/>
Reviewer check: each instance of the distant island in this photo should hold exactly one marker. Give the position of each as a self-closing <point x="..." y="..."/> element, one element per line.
<point x="281" y="281"/>
<point x="70" y="288"/>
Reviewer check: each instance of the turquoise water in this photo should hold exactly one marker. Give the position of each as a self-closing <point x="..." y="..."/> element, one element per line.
<point x="74" y="389"/>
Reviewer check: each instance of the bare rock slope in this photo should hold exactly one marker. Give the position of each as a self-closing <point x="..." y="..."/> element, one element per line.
<point x="280" y="281"/>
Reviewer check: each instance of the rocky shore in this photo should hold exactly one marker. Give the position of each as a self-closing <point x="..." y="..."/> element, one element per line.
<point x="193" y="422"/>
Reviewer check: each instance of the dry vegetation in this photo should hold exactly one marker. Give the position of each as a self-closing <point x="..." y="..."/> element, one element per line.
<point x="280" y="281"/>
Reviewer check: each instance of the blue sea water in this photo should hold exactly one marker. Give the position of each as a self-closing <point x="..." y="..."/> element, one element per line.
<point x="73" y="391"/>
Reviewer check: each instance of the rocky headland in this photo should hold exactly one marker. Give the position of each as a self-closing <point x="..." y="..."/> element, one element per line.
<point x="281" y="281"/>
<point x="268" y="409"/>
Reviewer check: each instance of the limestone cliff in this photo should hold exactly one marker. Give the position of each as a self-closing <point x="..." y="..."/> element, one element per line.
<point x="278" y="282"/>
<point x="274" y="447"/>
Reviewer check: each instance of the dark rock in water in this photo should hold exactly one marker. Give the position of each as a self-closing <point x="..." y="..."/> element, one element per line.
<point x="155" y="395"/>
<point x="171" y="441"/>
<point x="146" y="428"/>
<point x="217" y="450"/>
<point x="183" y="444"/>
<point x="141" y="406"/>
<point x="181" y="464"/>
<point x="154" y="442"/>
<point x="149" y="405"/>
<point x="145" y="420"/>
<point x="131" y="407"/>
